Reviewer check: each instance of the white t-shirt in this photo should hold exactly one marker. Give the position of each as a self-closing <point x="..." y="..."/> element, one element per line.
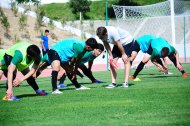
<point x="115" y="34"/>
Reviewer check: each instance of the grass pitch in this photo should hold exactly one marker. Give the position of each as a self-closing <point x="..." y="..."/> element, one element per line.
<point x="156" y="100"/>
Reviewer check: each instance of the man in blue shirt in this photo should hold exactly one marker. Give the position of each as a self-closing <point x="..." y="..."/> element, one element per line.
<point x="45" y="47"/>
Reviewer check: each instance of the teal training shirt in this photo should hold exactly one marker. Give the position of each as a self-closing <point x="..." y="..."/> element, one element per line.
<point x="66" y="50"/>
<point x="144" y="42"/>
<point x="88" y="56"/>
<point x="157" y="45"/>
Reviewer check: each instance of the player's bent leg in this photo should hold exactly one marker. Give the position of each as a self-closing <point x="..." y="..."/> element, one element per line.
<point x="146" y="58"/>
<point x="133" y="56"/>
<point x="89" y="74"/>
<point x="32" y="82"/>
<point x="55" y="69"/>
<point x="39" y="70"/>
<point x="113" y="75"/>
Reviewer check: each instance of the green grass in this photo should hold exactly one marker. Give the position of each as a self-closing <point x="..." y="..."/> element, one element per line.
<point x="156" y="100"/>
<point x="59" y="11"/>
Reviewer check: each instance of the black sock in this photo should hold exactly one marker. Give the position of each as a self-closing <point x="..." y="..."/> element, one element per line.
<point x="139" y="68"/>
<point x="88" y="73"/>
<point x="54" y="80"/>
<point x="32" y="82"/>
<point x="182" y="71"/>
<point x="62" y="79"/>
<point x="79" y="74"/>
<point x="114" y="84"/>
<point x="74" y="81"/>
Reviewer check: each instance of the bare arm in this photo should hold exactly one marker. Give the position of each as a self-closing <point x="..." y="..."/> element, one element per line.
<point x="124" y="56"/>
<point x="75" y="62"/>
<point x="42" y="42"/>
<point x="108" y="48"/>
<point x="30" y="73"/>
<point x="160" y="67"/>
<point x="165" y="62"/>
<point x="120" y="47"/>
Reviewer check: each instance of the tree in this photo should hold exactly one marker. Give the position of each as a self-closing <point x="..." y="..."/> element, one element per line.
<point x="81" y="6"/>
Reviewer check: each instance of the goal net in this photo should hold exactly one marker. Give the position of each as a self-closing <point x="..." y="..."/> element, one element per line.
<point x="156" y="19"/>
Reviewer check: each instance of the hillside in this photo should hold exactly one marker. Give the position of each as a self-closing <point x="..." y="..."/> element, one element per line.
<point x="62" y="11"/>
<point x="30" y="34"/>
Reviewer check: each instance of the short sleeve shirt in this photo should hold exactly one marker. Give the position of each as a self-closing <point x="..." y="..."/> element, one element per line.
<point x="115" y="34"/>
<point x="45" y="41"/>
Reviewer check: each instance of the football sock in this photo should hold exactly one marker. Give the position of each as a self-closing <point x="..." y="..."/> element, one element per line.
<point x="62" y="79"/>
<point x="31" y="81"/>
<point x="54" y="80"/>
<point x="139" y="68"/>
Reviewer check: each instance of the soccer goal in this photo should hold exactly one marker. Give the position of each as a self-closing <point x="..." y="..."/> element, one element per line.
<point x="169" y="19"/>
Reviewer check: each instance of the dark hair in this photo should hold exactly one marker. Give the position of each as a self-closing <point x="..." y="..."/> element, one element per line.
<point x="165" y="50"/>
<point x="101" y="31"/>
<point x="33" y="51"/>
<point x="46" y="31"/>
<point x="100" y="46"/>
<point x="92" y="43"/>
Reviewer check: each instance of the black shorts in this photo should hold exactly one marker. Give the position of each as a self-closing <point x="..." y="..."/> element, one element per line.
<point x="135" y="46"/>
<point x="150" y="50"/>
<point x="7" y="59"/>
<point x="127" y="48"/>
<point x="53" y="55"/>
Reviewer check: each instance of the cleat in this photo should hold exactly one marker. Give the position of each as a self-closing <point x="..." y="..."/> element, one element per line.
<point x="131" y="77"/>
<point x="62" y="86"/>
<point x="97" y="82"/>
<point x="82" y="88"/>
<point x="184" y="75"/>
<point x="137" y="79"/>
<point x="125" y="85"/>
<point x="13" y="98"/>
<point x="57" y="92"/>
<point x="42" y="93"/>
<point x="111" y="86"/>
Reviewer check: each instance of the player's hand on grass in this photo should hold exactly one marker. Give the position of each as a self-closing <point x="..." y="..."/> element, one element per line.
<point x="17" y="82"/>
<point x="165" y="70"/>
<point x="125" y="58"/>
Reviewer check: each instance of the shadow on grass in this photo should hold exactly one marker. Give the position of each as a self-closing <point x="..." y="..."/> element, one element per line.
<point x="3" y="86"/>
<point x="26" y="95"/>
<point x="120" y="85"/>
<point x="63" y="89"/>
<point x="167" y="76"/>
